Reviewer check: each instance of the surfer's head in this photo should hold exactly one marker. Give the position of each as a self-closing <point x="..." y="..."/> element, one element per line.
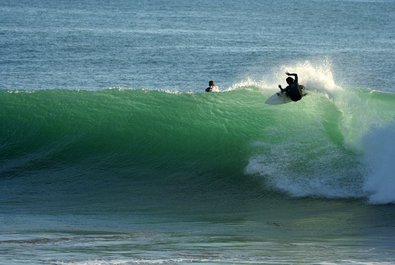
<point x="211" y="83"/>
<point x="289" y="80"/>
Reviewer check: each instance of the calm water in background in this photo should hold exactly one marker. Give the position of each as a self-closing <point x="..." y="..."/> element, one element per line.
<point x="180" y="46"/>
<point x="155" y="172"/>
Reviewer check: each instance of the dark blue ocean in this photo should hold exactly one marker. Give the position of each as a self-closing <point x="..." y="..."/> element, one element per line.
<point x="112" y="153"/>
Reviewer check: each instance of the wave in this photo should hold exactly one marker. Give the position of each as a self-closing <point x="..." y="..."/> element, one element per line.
<point x="335" y="143"/>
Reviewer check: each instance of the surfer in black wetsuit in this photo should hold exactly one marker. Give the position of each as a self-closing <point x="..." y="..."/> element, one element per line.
<point x="293" y="89"/>
<point x="212" y="87"/>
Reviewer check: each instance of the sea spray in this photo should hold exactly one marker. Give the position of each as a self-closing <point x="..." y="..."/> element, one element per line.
<point x="317" y="77"/>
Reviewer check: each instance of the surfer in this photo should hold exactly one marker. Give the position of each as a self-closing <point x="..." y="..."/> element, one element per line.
<point x="293" y="90"/>
<point x="212" y="87"/>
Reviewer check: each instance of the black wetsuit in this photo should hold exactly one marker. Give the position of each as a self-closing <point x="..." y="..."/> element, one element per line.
<point x="293" y="91"/>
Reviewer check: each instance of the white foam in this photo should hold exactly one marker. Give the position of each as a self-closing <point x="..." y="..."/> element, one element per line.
<point x="379" y="159"/>
<point x="294" y="170"/>
<point x="318" y="77"/>
<point x="314" y="76"/>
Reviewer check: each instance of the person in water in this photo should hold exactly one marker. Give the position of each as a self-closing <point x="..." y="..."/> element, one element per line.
<point x="293" y="90"/>
<point x="212" y="87"/>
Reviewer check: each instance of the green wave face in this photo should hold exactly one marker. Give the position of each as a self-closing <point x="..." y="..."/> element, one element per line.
<point x="316" y="147"/>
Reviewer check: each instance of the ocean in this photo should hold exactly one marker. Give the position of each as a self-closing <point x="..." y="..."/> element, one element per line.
<point x="111" y="152"/>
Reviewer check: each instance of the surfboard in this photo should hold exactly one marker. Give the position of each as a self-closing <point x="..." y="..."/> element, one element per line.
<point x="278" y="98"/>
<point x="282" y="98"/>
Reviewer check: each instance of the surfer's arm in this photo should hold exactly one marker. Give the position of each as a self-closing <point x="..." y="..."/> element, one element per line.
<point x="294" y="75"/>
<point x="282" y="89"/>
